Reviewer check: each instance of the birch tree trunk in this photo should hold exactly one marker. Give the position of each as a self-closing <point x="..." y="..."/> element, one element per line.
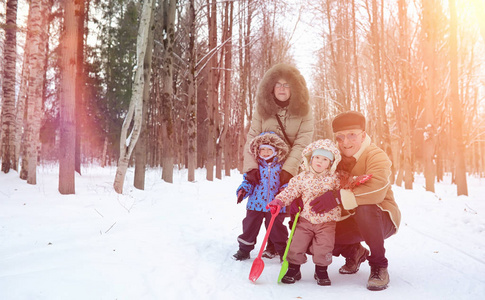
<point x="226" y="140"/>
<point x="2" y="64"/>
<point x="192" y="96"/>
<point x="355" y="57"/>
<point x="80" y="12"/>
<point x="212" y="102"/>
<point x="428" y="73"/>
<point x="141" y="145"/>
<point x="67" y="139"/>
<point x="242" y="90"/>
<point x="9" y="72"/>
<point x="382" y="127"/>
<point x="336" y="60"/>
<point x="245" y="67"/>
<point x="168" y="93"/>
<point x="104" y="153"/>
<point x="479" y="9"/>
<point x="134" y="114"/>
<point x="20" y="113"/>
<point x="36" y="50"/>
<point x="405" y="96"/>
<point x="460" y="166"/>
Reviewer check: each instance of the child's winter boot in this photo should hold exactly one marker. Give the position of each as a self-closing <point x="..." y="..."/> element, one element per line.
<point x="292" y="275"/>
<point x="241" y="255"/>
<point x="270" y="251"/>
<point x="321" y="275"/>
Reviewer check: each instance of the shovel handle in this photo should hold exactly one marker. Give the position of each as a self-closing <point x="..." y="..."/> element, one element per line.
<point x="291" y="234"/>
<point x="268" y="230"/>
<point x="284" y="265"/>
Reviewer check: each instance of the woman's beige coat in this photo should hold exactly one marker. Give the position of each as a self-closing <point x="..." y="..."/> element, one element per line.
<point x="297" y="117"/>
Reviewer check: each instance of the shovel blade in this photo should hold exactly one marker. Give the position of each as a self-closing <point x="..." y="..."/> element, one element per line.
<point x="256" y="269"/>
<point x="284" y="268"/>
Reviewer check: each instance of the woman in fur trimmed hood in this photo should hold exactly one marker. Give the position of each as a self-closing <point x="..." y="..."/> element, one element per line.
<point x="283" y="94"/>
<point x="270" y="151"/>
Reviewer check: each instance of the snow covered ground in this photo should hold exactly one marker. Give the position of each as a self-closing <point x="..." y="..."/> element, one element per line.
<point x="175" y="241"/>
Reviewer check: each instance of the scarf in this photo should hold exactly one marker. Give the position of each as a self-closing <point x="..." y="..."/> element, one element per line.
<point x="346" y="164"/>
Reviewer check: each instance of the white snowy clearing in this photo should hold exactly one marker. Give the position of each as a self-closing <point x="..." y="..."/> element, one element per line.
<point x="175" y="241"/>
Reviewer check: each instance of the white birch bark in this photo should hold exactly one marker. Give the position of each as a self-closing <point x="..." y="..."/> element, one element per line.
<point x="141" y="147"/>
<point x="20" y="112"/>
<point x="36" y="50"/>
<point x="128" y="139"/>
<point x="8" y="87"/>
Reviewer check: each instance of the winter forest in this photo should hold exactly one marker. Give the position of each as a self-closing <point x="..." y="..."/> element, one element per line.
<point x="170" y="84"/>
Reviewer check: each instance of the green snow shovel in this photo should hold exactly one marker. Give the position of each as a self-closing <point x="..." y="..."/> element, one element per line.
<point x="284" y="265"/>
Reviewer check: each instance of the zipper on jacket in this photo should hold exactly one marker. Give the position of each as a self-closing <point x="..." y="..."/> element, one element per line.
<point x="269" y="184"/>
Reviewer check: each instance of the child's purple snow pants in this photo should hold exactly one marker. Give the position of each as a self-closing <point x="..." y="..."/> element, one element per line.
<point x="251" y="226"/>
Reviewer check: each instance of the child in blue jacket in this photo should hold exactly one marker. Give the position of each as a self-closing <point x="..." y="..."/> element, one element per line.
<point x="270" y="151"/>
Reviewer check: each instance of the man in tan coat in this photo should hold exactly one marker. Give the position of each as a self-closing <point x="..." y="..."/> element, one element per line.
<point x="374" y="215"/>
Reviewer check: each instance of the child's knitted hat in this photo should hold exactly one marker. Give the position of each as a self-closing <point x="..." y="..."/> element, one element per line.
<point x="323" y="152"/>
<point x="314" y="148"/>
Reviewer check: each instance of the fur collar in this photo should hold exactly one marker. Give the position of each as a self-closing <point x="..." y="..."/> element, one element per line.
<point x="365" y="144"/>
<point x="269" y="138"/>
<point x="299" y="99"/>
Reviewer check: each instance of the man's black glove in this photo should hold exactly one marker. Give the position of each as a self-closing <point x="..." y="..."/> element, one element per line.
<point x="326" y="202"/>
<point x="240" y="195"/>
<point x="253" y="177"/>
<point x="285" y="177"/>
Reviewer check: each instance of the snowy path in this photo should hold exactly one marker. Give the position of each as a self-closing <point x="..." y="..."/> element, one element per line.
<point x="175" y="241"/>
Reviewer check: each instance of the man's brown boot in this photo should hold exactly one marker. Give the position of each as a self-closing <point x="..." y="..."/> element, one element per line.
<point x="352" y="263"/>
<point x="378" y="279"/>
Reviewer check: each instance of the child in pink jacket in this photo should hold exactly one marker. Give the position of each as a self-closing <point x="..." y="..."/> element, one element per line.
<point x="319" y="161"/>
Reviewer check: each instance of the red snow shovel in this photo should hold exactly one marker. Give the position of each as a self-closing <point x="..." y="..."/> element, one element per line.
<point x="258" y="264"/>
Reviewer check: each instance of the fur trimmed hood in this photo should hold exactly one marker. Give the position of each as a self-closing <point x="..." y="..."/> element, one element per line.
<point x="299" y="99"/>
<point x="320" y="144"/>
<point x="272" y="139"/>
